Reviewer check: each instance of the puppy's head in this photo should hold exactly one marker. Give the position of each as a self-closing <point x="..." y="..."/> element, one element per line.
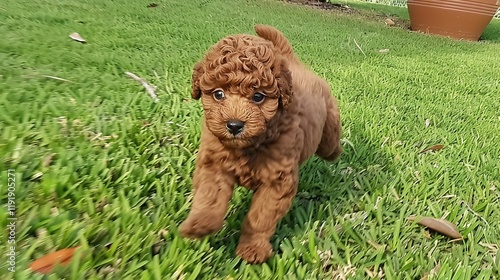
<point x="244" y="83"/>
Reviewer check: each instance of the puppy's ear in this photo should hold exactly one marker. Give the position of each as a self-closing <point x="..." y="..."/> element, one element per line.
<point x="285" y="84"/>
<point x="195" y="80"/>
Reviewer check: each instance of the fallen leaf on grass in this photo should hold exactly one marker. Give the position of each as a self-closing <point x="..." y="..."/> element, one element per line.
<point x="156" y="248"/>
<point x="433" y="272"/>
<point x="152" y="5"/>
<point x="75" y="36"/>
<point x="442" y="226"/>
<point x="47" y="263"/>
<point x="47" y="160"/>
<point x="389" y="22"/>
<point x="432" y="148"/>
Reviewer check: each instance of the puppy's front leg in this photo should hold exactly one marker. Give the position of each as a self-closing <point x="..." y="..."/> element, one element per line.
<point x="269" y="204"/>
<point x="212" y="191"/>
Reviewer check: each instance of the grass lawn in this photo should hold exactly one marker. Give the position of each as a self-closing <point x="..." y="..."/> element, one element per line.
<point x="101" y="166"/>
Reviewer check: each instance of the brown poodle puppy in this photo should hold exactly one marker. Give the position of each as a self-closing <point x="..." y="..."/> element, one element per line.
<point x="264" y="114"/>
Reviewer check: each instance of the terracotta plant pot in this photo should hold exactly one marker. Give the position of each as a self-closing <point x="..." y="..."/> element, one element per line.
<point x="459" y="19"/>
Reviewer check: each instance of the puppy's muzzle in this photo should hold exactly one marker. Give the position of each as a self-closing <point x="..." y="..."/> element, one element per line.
<point x="235" y="127"/>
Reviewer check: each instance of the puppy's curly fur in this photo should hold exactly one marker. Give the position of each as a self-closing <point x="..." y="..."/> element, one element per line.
<point x="264" y="114"/>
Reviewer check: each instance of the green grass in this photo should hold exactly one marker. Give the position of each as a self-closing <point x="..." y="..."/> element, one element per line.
<point x="99" y="165"/>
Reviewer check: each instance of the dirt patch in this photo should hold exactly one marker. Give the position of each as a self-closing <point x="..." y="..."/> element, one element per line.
<point x="323" y="5"/>
<point x="348" y="10"/>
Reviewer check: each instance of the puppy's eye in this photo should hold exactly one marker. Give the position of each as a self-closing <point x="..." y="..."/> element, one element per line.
<point x="218" y="95"/>
<point x="258" y="97"/>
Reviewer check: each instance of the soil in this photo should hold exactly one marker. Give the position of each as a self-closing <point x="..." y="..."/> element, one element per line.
<point x="325" y="5"/>
<point x="347" y="10"/>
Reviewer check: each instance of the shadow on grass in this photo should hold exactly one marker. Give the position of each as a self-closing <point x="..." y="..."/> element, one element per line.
<point x="362" y="170"/>
<point x="492" y="32"/>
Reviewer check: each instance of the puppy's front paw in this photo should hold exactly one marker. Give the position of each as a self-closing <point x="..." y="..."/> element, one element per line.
<point x="255" y="251"/>
<point x="198" y="227"/>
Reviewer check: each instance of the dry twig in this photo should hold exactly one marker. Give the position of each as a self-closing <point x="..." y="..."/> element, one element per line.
<point x="56" y="78"/>
<point x="359" y="47"/>
<point x="149" y="88"/>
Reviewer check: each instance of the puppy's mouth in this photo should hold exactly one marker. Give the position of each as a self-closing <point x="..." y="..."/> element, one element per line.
<point x="234" y="134"/>
<point x="235" y="142"/>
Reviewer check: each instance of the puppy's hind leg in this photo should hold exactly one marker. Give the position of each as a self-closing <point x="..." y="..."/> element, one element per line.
<point x="212" y="191"/>
<point x="329" y="148"/>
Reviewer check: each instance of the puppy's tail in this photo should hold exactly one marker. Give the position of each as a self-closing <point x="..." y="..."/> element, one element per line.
<point x="274" y="35"/>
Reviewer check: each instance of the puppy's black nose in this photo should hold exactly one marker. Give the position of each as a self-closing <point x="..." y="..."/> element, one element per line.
<point x="235" y="126"/>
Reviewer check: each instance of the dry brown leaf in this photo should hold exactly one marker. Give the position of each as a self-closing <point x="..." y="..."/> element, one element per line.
<point x="47" y="160"/>
<point x="47" y="263"/>
<point x="432" y="148"/>
<point x="433" y="272"/>
<point x="156" y="248"/>
<point x="442" y="226"/>
<point x="75" y="36"/>
<point x="389" y="22"/>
